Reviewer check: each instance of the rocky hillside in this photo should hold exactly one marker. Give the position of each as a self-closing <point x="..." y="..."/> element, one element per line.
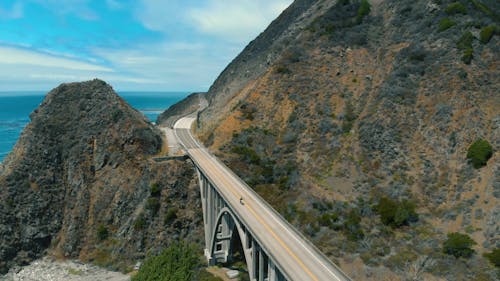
<point x="354" y="120"/>
<point x="81" y="183"/>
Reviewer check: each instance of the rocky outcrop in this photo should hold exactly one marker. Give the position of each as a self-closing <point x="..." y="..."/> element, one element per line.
<point x="363" y="102"/>
<point x="186" y="106"/>
<point x="80" y="183"/>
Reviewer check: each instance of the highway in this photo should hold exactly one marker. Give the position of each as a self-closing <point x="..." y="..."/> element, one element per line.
<point x="293" y="254"/>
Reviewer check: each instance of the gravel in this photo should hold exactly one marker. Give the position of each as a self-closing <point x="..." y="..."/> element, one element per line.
<point x="48" y="269"/>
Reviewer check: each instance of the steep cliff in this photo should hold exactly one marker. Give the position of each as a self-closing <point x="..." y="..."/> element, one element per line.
<point x="343" y="110"/>
<point x="81" y="183"/>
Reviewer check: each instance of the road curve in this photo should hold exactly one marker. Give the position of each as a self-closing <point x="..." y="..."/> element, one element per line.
<point x="294" y="254"/>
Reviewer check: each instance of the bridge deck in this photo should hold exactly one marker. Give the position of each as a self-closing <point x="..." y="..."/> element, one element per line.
<point x="294" y="255"/>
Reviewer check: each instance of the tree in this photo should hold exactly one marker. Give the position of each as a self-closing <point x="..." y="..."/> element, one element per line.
<point x="459" y="245"/>
<point x="479" y="153"/>
<point x="176" y="263"/>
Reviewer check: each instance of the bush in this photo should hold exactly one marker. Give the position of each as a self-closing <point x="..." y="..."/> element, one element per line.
<point x="155" y="190"/>
<point x="176" y="263"/>
<point x="486" y="33"/>
<point x="364" y="10"/>
<point x="352" y="227"/>
<point x="494" y="257"/>
<point x="153" y="205"/>
<point x="465" y="42"/>
<point x="102" y="232"/>
<point x="445" y="23"/>
<point x="467" y="56"/>
<point x="394" y="213"/>
<point x="171" y="215"/>
<point x="479" y="153"/>
<point x="249" y="155"/>
<point x="458" y="245"/>
<point x="140" y="222"/>
<point x="456" y="8"/>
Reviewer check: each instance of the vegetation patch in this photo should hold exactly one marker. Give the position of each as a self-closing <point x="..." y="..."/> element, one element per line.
<point x="176" y="263"/>
<point x="456" y="8"/>
<point x="153" y="205"/>
<point x="465" y="44"/>
<point x="352" y="227"/>
<point x="363" y="11"/>
<point x="395" y="213"/>
<point x="140" y="222"/>
<point x="479" y="153"/>
<point x="445" y="24"/>
<point x="170" y="216"/>
<point x="494" y="257"/>
<point x="487" y="32"/>
<point x="459" y="245"/>
<point x="155" y="190"/>
<point x="102" y="232"/>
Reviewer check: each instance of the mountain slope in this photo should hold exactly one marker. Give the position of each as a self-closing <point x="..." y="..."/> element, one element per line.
<point x="81" y="183"/>
<point x="366" y="105"/>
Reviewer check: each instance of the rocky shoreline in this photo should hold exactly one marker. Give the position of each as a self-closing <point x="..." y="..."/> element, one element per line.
<point x="49" y="269"/>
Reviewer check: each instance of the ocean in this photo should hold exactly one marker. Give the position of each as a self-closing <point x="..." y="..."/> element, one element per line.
<point x="15" y="108"/>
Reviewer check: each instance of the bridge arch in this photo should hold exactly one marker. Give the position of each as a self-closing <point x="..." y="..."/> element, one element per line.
<point x="222" y="235"/>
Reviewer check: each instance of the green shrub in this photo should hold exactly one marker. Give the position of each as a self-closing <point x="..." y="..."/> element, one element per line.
<point x="468" y="55"/>
<point x="102" y="232"/>
<point x="465" y="42"/>
<point x="140" y="222"/>
<point x="176" y="263"/>
<point x="458" y="245"/>
<point x="445" y="23"/>
<point x="483" y="8"/>
<point x="486" y="33"/>
<point x="479" y="153"/>
<point x="494" y="257"/>
<point x="456" y="8"/>
<point x="352" y="226"/>
<point x="171" y="215"/>
<point x="328" y="219"/>
<point x="155" y="190"/>
<point x="394" y="213"/>
<point x="153" y="205"/>
<point x="282" y="70"/>
<point x="249" y="155"/>
<point x="363" y="11"/>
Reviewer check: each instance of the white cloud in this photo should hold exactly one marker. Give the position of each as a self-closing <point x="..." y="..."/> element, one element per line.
<point x="17" y="56"/>
<point x="236" y="21"/>
<point x="15" y="12"/>
<point x="114" y="4"/>
<point x="80" y="8"/>
<point x="171" y="66"/>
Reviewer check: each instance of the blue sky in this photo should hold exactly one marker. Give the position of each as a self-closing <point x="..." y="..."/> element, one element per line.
<point x="163" y="45"/>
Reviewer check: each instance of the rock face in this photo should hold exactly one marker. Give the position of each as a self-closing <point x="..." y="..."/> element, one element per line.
<point x="80" y="182"/>
<point x="186" y="106"/>
<point x="337" y="105"/>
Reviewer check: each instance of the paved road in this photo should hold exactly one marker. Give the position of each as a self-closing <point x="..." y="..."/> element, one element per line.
<point x="294" y="254"/>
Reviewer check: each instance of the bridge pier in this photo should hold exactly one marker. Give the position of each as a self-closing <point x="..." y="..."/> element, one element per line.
<point x="219" y="224"/>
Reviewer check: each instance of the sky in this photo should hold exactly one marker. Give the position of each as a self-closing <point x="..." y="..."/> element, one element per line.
<point x="135" y="45"/>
